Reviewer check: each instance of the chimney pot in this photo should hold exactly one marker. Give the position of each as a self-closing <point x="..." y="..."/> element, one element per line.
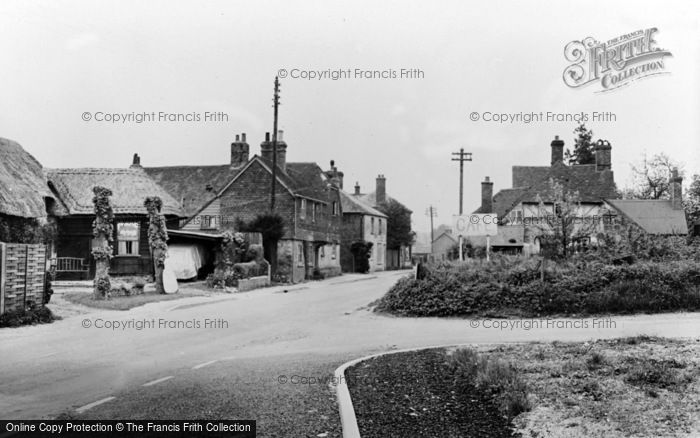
<point x="267" y="137"/>
<point x="280" y="135"/>
<point x="487" y="196"/>
<point x="243" y="137"/>
<point x="380" y="194"/>
<point x="136" y="162"/>
<point x="603" y="152"/>
<point x="557" y="150"/>
<point x="238" y="138"/>
<point x="357" y="188"/>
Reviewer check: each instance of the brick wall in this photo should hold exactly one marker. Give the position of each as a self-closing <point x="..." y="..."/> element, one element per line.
<point x="22" y="271"/>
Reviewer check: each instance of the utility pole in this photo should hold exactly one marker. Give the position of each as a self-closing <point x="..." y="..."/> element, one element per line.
<point x="461" y="156"/>
<point x="276" y="101"/>
<point x="431" y="212"/>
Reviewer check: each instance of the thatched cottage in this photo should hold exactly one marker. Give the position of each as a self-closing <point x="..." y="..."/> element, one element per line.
<point x="130" y="187"/>
<point x="25" y="200"/>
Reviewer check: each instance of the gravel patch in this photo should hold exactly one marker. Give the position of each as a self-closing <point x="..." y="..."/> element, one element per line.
<point x="415" y="394"/>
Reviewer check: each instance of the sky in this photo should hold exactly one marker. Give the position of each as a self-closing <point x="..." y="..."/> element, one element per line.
<point x="68" y="61"/>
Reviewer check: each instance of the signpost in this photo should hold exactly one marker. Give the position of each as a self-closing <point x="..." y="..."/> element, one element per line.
<point x="475" y="225"/>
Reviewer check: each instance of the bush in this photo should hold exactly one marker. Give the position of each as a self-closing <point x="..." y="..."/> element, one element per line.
<point x="31" y="315"/>
<point x="569" y="288"/>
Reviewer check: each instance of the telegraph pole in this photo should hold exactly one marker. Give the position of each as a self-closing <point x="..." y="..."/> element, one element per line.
<point x="461" y="156"/>
<point x="276" y="101"/>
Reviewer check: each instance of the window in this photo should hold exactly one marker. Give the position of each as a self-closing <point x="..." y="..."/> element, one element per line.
<point x="371" y="228"/>
<point x="208" y="222"/>
<point x="336" y="210"/>
<point x="323" y="252"/>
<point x="300" y="256"/>
<point x="515" y="217"/>
<point x="313" y="212"/>
<point x="380" y="254"/>
<point x="128" y="238"/>
<point x="302" y="209"/>
<point x="333" y="253"/>
<point x="380" y="227"/>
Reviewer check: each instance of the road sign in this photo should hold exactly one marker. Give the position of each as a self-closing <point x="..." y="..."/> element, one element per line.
<point x="475" y="224"/>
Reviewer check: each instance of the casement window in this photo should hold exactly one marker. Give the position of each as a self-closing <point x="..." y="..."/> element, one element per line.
<point x="128" y="238"/>
<point x="313" y="212"/>
<point x="380" y="227"/>
<point x="371" y="228"/>
<point x="336" y="210"/>
<point x="302" y="208"/>
<point x="515" y="217"/>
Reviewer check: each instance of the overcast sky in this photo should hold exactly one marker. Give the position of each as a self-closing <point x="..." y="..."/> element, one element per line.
<point x="62" y="59"/>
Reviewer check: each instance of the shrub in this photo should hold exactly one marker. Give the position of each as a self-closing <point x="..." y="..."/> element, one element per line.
<point x="570" y="288"/>
<point x="31" y="315"/>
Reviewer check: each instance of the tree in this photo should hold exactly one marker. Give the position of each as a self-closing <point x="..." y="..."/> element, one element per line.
<point x="157" y="239"/>
<point x="561" y="223"/>
<point x="361" y="252"/>
<point x="691" y="203"/>
<point x="650" y="178"/>
<point x="584" y="149"/>
<point x="103" y="230"/>
<point x="271" y="226"/>
<point x="398" y="224"/>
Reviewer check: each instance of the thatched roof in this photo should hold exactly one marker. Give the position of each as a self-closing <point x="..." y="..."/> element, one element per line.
<point x="22" y="184"/>
<point x="130" y="187"/>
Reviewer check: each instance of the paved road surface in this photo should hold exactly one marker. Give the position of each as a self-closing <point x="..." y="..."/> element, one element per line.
<point x="49" y="369"/>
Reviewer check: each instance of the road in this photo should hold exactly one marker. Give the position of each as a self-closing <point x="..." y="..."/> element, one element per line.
<point x="263" y="334"/>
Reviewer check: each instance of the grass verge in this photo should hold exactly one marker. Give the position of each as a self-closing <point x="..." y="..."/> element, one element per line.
<point x="128" y="302"/>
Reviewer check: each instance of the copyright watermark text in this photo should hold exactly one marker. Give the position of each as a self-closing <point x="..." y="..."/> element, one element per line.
<point x="154" y="323"/>
<point x="543" y="323"/>
<point x="154" y="117"/>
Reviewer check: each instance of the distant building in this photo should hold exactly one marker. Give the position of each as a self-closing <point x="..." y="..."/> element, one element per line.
<point x="362" y="223"/>
<point x="395" y="258"/>
<point x="442" y="247"/>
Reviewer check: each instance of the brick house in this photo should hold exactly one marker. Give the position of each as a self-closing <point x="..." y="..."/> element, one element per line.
<point x="362" y="223"/>
<point x="395" y="258"/>
<point x="215" y="197"/>
<point x="519" y="207"/>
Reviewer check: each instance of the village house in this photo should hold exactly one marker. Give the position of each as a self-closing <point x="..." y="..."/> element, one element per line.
<point x="27" y="210"/>
<point x="130" y="187"/>
<point x="362" y="223"/>
<point x="520" y="209"/>
<point x="443" y="246"/>
<point x="216" y="197"/>
<point x="394" y="258"/>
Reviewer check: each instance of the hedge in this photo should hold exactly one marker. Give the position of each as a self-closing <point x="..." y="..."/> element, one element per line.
<point x="452" y="290"/>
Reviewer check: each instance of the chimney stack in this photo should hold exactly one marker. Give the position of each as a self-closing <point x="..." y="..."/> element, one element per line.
<point x="603" y="155"/>
<point x="357" y="188"/>
<point x="136" y="161"/>
<point x="380" y="194"/>
<point x="557" y="150"/>
<point x="335" y="176"/>
<point x="487" y="195"/>
<point x="676" y="183"/>
<point x="239" y="151"/>
<point x="266" y="150"/>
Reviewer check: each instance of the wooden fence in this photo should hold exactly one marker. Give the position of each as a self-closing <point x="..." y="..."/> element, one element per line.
<point x="22" y="275"/>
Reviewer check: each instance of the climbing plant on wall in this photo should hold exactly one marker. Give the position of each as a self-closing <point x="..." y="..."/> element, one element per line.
<point x="157" y="238"/>
<point x="103" y="230"/>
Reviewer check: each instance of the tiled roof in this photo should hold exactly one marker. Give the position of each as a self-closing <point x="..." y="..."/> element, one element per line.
<point x="193" y="186"/>
<point x="351" y="204"/>
<point x="306" y="179"/>
<point x="130" y="188"/>
<point x="653" y="216"/>
<point x="22" y="183"/>
<point x="371" y="199"/>
<point x="591" y="185"/>
<point x="505" y="200"/>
